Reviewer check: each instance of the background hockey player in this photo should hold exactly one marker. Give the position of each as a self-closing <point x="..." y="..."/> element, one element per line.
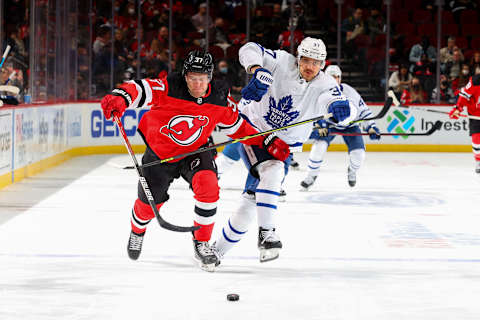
<point x="469" y="97"/>
<point x="284" y="89"/>
<point x="322" y="137"/>
<point x="185" y="110"/>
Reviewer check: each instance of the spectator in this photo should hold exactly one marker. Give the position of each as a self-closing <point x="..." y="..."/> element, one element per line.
<point x="201" y="20"/>
<point x="446" y="92"/>
<point x="462" y="79"/>
<point x="422" y="49"/>
<point x="375" y="23"/>
<point x="446" y="53"/>
<point x="221" y="36"/>
<point x="475" y="61"/>
<point x="400" y="80"/>
<point x="457" y="6"/>
<point x="227" y="77"/>
<point x="102" y="40"/>
<point x="352" y="27"/>
<point x="453" y="68"/>
<point x="414" y="94"/>
<point x="296" y="20"/>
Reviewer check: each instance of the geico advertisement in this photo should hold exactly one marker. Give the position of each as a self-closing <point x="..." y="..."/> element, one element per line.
<point x="5" y="142"/>
<point x="403" y="120"/>
<point x="103" y="131"/>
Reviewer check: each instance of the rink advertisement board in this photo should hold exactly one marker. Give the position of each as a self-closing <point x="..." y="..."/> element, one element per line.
<point x="35" y="138"/>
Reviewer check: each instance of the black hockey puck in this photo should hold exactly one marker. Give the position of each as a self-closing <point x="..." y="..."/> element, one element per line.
<point x="233" y="297"/>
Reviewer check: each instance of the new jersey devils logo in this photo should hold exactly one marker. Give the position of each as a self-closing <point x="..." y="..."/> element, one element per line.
<point x="185" y="130"/>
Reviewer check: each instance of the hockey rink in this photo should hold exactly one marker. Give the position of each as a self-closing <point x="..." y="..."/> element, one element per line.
<point x="403" y="244"/>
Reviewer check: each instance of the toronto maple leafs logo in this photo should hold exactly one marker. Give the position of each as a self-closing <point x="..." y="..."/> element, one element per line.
<point x="280" y="114"/>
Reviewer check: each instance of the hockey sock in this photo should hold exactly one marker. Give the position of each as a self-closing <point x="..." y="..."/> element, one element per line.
<point x="476" y="146"/>
<point x="356" y="158"/>
<point x="271" y="174"/>
<point x="206" y="190"/>
<point x="142" y="213"/>
<point x="315" y="158"/>
<point x="237" y="225"/>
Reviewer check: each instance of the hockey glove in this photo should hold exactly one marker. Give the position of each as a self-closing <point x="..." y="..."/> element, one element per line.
<point x="340" y="110"/>
<point x="454" y="113"/>
<point x="111" y="103"/>
<point x="276" y="147"/>
<point x="322" y="128"/>
<point x="373" y="132"/>
<point x="258" y="85"/>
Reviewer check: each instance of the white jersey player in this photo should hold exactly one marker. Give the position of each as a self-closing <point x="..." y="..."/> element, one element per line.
<point x="323" y="136"/>
<point x="284" y="89"/>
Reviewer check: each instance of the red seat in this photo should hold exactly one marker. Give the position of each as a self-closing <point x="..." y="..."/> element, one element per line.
<point x="470" y="29"/>
<point x="469" y="16"/>
<point x="421" y="16"/>
<point x="240" y="12"/>
<point x="461" y="42"/>
<point x="217" y="52"/>
<point x="267" y="11"/>
<point x="447" y="17"/>
<point x="362" y="41"/>
<point x="428" y="29"/>
<point x="450" y="29"/>
<point x="193" y="35"/>
<point x="232" y="52"/>
<point x="468" y="54"/>
<point x="475" y="44"/>
<point x="406" y="28"/>
<point x="399" y="15"/>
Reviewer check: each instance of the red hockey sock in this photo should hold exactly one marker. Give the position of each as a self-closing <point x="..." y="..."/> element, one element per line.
<point x="476" y="146"/>
<point x="142" y="213"/>
<point x="206" y="190"/>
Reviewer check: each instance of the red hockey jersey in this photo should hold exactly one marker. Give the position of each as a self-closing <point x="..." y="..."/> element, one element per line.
<point x="469" y="96"/>
<point x="178" y="123"/>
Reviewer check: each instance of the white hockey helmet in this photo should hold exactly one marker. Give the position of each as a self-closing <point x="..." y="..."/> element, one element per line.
<point x="312" y="48"/>
<point x="333" y="70"/>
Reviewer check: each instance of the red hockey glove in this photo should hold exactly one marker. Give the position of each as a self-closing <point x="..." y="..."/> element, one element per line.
<point x="111" y="103"/>
<point x="454" y="113"/>
<point x="276" y="147"/>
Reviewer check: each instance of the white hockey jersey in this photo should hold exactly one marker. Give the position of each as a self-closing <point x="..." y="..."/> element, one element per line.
<point x="356" y="101"/>
<point x="290" y="98"/>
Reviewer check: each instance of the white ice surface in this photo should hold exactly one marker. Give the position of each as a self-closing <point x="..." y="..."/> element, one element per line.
<point x="403" y="244"/>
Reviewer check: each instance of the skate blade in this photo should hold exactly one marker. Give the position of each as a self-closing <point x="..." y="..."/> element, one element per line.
<point x="269" y="254"/>
<point x="207" y="267"/>
<point x="303" y="189"/>
<point x="282" y="199"/>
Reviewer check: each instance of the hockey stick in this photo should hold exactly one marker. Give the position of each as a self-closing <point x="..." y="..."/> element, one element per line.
<point x="5" y="54"/>
<point x="436" y="126"/>
<point x="438" y="111"/>
<point x="381" y="114"/>
<point x="146" y="189"/>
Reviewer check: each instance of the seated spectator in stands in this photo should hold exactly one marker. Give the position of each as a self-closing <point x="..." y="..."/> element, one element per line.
<point x="375" y="23"/>
<point x="200" y="20"/>
<point x="446" y="53"/>
<point x="414" y="94"/>
<point x="103" y="39"/>
<point x="446" y="93"/>
<point x="457" y="6"/>
<point x="7" y="97"/>
<point x="182" y="22"/>
<point x="227" y="77"/>
<point x="352" y="27"/>
<point x="297" y="20"/>
<point x="420" y="49"/>
<point x="400" y="79"/>
<point x="475" y="61"/>
<point x="221" y="35"/>
<point x="462" y="79"/>
<point x="453" y="68"/>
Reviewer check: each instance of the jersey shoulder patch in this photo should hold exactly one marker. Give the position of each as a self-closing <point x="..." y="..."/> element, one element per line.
<point x="476" y="80"/>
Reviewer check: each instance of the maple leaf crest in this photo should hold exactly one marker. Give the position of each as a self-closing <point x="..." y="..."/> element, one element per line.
<point x="280" y="114"/>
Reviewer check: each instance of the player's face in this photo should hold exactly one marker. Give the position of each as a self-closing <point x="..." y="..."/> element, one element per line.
<point x="197" y="83"/>
<point x="309" y="68"/>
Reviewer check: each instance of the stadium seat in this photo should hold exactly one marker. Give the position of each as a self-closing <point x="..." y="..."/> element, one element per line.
<point x="450" y="29"/>
<point x="461" y="42"/>
<point x="406" y="28"/>
<point x="468" y="16"/>
<point x="475" y="43"/>
<point x="470" y="29"/>
<point x="217" y="52"/>
<point x="421" y="16"/>
<point x="428" y="29"/>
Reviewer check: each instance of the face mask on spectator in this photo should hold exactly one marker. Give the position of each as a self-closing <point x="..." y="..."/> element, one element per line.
<point x="223" y="70"/>
<point x="416" y="87"/>
<point x="131" y="11"/>
<point x="465" y="72"/>
<point x="444" y="83"/>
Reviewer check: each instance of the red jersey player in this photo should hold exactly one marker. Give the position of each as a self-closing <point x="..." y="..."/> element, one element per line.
<point x="185" y="109"/>
<point x="469" y="97"/>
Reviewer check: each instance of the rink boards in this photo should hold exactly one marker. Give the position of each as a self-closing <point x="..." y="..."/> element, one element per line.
<point x="33" y="139"/>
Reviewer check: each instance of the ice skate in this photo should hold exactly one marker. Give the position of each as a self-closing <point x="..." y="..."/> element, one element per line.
<point x="217" y="253"/>
<point x="307" y="183"/>
<point x="205" y="255"/>
<point x="477" y="167"/>
<point x="134" y="247"/>
<point x="352" y="177"/>
<point x="294" y="165"/>
<point x="269" y="244"/>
